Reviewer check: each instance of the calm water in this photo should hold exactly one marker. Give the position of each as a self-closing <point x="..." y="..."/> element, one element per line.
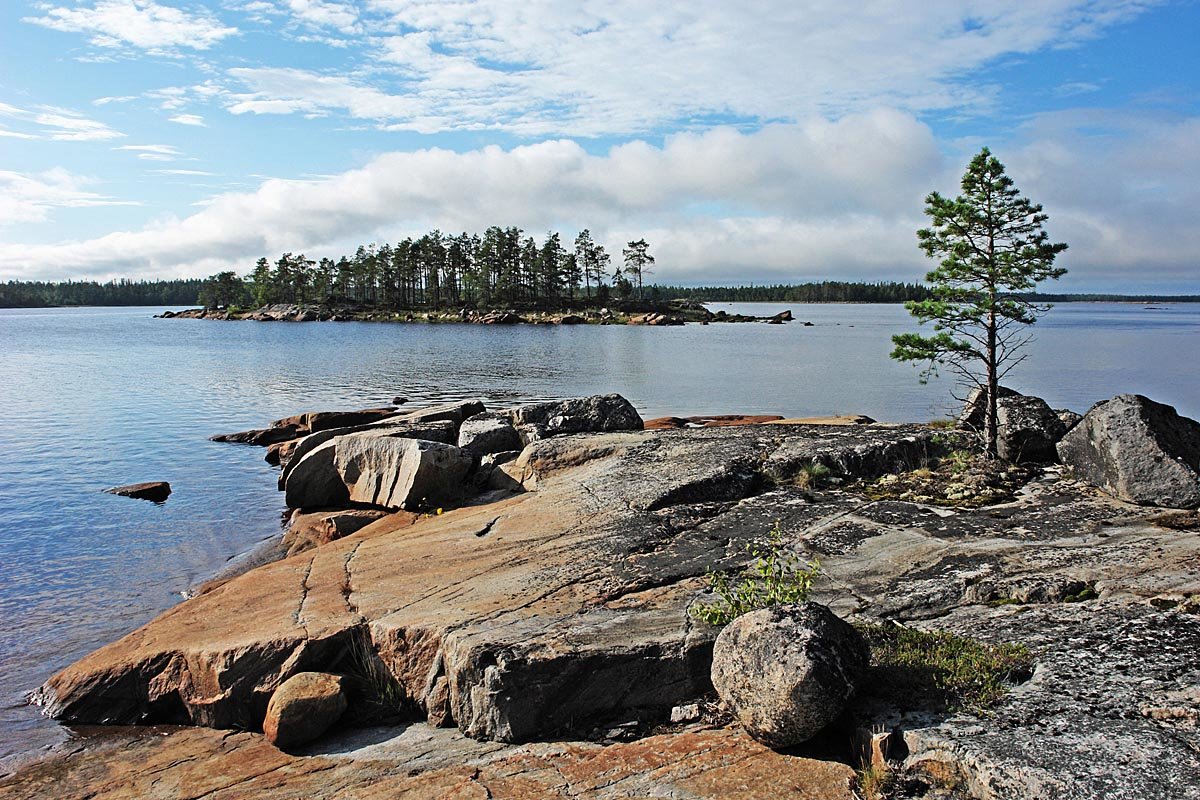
<point x="98" y="397"/>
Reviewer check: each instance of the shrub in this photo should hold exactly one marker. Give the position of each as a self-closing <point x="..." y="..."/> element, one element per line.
<point x="777" y="577"/>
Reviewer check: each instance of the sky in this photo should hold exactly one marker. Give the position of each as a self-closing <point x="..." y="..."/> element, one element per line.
<point x="761" y="141"/>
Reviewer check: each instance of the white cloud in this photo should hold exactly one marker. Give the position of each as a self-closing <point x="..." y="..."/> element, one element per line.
<point x="196" y="172"/>
<point x="321" y="13"/>
<point x="152" y="152"/>
<point x="27" y="198"/>
<point x="143" y="24"/>
<point x="558" y="66"/>
<point x="781" y="187"/>
<point x="56" y="124"/>
<point x="189" y="119"/>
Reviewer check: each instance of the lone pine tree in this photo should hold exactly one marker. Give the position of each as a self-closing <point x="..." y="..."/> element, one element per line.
<point x="991" y="247"/>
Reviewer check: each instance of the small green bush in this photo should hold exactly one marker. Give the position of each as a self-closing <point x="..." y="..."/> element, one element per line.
<point x="777" y="577"/>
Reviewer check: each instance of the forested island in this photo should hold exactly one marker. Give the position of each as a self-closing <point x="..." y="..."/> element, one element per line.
<point x="502" y="268"/>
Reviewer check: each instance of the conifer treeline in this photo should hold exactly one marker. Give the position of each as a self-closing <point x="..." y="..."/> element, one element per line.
<point x="46" y="294"/>
<point x="504" y="266"/>
<point x="823" y="292"/>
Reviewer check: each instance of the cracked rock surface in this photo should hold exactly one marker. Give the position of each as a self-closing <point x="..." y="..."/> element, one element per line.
<point x="536" y="617"/>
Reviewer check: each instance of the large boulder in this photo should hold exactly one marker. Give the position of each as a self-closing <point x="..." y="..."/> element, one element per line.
<point x="974" y="413"/>
<point x="1027" y="429"/>
<point x="483" y="434"/>
<point x="437" y="431"/>
<point x="786" y="672"/>
<point x="303" y="707"/>
<point x="1137" y="450"/>
<point x="380" y="471"/>
<point x="599" y="413"/>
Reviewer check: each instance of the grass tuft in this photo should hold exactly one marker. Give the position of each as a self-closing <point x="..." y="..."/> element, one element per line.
<point x="941" y="671"/>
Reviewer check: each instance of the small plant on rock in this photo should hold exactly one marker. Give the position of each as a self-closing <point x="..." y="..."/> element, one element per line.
<point x="777" y="577"/>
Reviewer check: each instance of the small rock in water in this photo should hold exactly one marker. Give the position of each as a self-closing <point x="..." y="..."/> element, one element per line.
<point x="399" y="401"/>
<point x="155" y="491"/>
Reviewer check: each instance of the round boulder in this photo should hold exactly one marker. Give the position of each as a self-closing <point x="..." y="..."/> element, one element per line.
<point x="787" y="672"/>
<point x="303" y="707"/>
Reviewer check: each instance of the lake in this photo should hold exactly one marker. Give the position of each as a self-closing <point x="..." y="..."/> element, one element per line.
<point x="99" y="397"/>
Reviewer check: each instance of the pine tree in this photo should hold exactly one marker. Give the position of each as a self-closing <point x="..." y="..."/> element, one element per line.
<point x="990" y="244"/>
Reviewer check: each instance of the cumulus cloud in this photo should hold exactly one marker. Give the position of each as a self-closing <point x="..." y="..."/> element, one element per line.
<point x="558" y="66"/>
<point x="142" y="24"/>
<point x="55" y="124"/>
<point x="31" y="197"/>
<point x="816" y="199"/>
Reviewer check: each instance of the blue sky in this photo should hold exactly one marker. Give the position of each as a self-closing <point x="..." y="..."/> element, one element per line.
<point x="750" y="142"/>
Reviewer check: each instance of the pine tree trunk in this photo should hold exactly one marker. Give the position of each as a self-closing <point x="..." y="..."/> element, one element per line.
<point x="993" y="382"/>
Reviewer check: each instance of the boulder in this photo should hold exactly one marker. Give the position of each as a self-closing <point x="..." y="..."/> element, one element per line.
<point x="309" y="529"/>
<point x="280" y="453"/>
<point x="1068" y="418"/>
<point x="454" y="412"/>
<point x="787" y="672"/>
<point x="488" y="433"/>
<point x="303" y="707"/>
<point x="437" y="431"/>
<point x="155" y="491"/>
<point x="1137" y="450"/>
<point x="381" y="471"/>
<point x="315" y="421"/>
<point x="263" y="437"/>
<point x="974" y="414"/>
<point x="600" y="413"/>
<point x="501" y="318"/>
<point x="1027" y="429"/>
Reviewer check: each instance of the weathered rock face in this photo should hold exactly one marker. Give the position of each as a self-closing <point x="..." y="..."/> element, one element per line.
<point x="488" y="433"/>
<point x="516" y="619"/>
<point x="315" y="528"/>
<point x="601" y="413"/>
<point x="1137" y="450"/>
<point x="302" y="708"/>
<point x="419" y="762"/>
<point x="155" y="491"/>
<point x="382" y="471"/>
<point x="787" y="672"/>
<point x="311" y="476"/>
<point x="1028" y="430"/>
<point x="563" y="608"/>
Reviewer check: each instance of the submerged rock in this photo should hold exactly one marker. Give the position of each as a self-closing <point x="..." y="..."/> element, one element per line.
<point x="1138" y="450"/>
<point x="787" y="672"/>
<point x="155" y="491"/>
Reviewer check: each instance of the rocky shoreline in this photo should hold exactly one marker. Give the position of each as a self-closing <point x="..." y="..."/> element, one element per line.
<point x="650" y="314"/>
<point x="505" y="601"/>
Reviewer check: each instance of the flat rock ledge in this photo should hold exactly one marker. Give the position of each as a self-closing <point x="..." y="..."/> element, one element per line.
<point x="561" y="609"/>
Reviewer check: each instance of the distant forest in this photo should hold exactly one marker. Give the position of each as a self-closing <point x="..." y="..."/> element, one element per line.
<point x="42" y="294"/>
<point x="503" y="267"/>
